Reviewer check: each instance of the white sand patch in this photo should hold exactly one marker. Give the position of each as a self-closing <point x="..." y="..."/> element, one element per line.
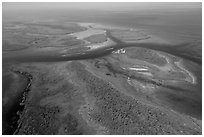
<point x="191" y="78"/>
<point x="139" y="69"/>
<point x="120" y="51"/>
<point x="87" y="33"/>
<point x="142" y="70"/>
<point x="102" y="26"/>
<point x="107" y="43"/>
<point x="140" y="66"/>
<point x="146" y="73"/>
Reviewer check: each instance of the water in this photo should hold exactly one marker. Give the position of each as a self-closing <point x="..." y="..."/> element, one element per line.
<point x="13" y="94"/>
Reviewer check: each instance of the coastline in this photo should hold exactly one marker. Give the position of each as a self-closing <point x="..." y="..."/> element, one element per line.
<point x="21" y="104"/>
<point x="92" y="85"/>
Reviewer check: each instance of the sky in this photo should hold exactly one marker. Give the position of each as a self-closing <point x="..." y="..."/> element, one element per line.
<point x="100" y="6"/>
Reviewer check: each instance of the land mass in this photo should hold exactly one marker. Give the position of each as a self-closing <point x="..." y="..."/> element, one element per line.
<point x="125" y="90"/>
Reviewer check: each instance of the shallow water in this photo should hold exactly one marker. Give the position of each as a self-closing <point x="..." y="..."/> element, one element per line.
<point x="52" y="56"/>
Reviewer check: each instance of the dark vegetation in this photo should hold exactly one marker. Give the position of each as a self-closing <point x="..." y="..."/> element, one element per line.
<point x="38" y="119"/>
<point x="183" y="99"/>
<point x="71" y="125"/>
<point x="115" y="69"/>
<point x="124" y="115"/>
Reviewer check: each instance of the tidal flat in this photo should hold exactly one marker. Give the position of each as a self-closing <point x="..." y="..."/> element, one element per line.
<point x="63" y="77"/>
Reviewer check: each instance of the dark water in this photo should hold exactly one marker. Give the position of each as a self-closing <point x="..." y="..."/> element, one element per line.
<point x="14" y="92"/>
<point x="7" y="80"/>
<point x="49" y="57"/>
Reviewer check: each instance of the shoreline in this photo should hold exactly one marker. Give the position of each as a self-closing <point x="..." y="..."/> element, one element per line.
<point x="193" y="78"/>
<point x="21" y="104"/>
